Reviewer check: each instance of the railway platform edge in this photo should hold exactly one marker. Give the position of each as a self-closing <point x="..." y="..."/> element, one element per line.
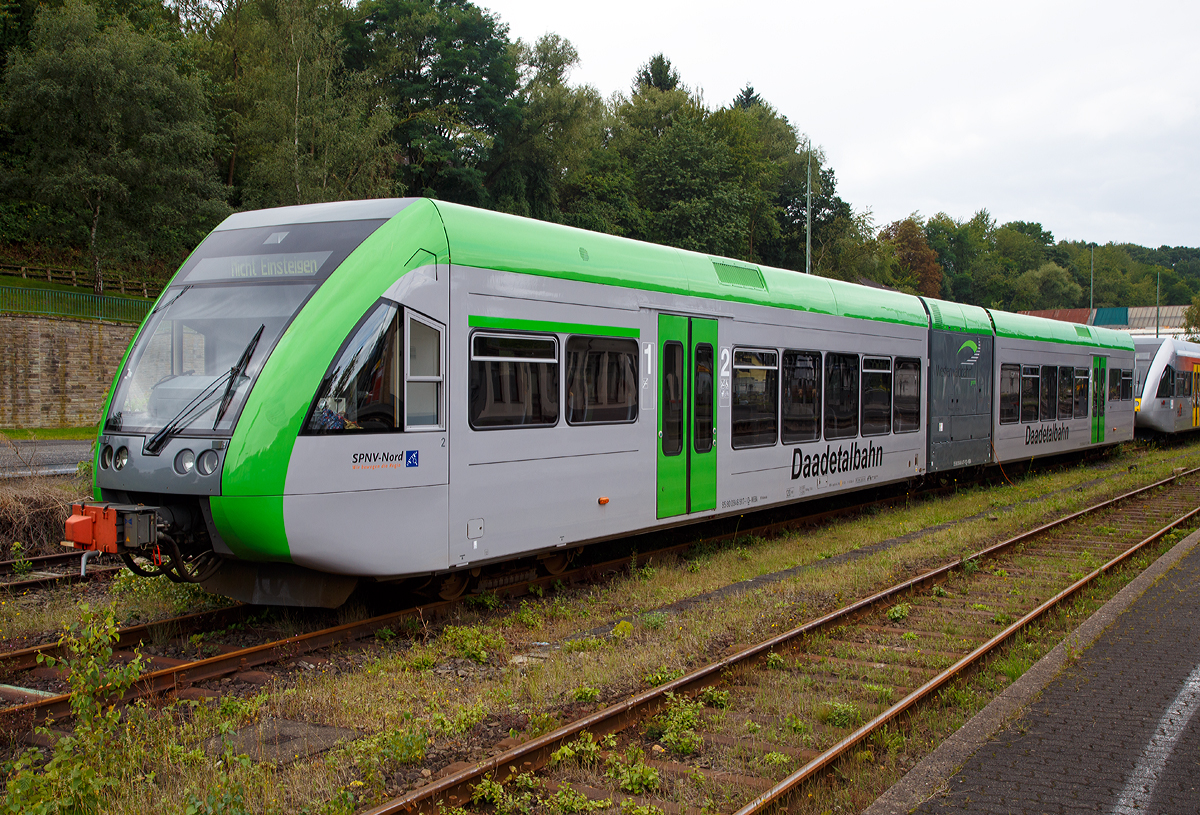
<point x="932" y="775"/>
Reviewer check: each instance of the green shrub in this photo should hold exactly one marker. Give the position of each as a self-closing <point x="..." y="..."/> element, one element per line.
<point x="472" y="642"/>
<point x="632" y="774"/>
<point x="87" y="763"/>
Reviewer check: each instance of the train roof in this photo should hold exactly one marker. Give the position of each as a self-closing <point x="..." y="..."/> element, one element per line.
<point x="947" y="316"/>
<point x="493" y="240"/>
<point x="1028" y="327"/>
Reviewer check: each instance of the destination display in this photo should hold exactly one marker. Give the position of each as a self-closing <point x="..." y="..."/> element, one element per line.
<point x="259" y="267"/>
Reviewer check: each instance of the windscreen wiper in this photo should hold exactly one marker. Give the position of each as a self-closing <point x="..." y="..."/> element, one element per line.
<point x="235" y="373"/>
<point x="190" y="412"/>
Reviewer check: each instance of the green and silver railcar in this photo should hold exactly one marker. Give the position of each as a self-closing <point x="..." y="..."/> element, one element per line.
<point x="405" y="388"/>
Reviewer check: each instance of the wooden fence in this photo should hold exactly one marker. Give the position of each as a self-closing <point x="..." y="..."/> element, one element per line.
<point x="113" y="281"/>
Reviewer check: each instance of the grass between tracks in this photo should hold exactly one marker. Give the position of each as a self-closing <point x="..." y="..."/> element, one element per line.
<point x="429" y="696"/>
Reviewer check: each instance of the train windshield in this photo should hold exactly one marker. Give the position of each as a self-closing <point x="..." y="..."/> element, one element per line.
<point x="204" y="345"/>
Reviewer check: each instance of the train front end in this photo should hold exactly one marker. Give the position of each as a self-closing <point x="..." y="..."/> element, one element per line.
<point x="193" y="454"/>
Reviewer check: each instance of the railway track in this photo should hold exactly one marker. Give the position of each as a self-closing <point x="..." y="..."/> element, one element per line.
<point x="45" y="571"/>
<point x="759" y="723"/>
<point x="173" y="674"/>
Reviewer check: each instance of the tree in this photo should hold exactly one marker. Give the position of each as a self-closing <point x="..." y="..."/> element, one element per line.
<point x="111" y="132"/>
<point x="914" y="257"/>
<point x="449" y="75"/>
<point x="556" y="126"/>
<point x="659" y="74"/>
<point x="747" y="98"/>
<point x="1191" y="320"/>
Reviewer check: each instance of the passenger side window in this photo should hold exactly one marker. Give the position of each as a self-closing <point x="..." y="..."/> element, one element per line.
<point x="876" y="396"/>
<point x="361" y="392"/>
<point x="1126" y="385"/>
<point x="1114" y="384"/>
<point x="1081" y="393"/>
<point x="1049" y="392"/>
<point x="906" y="402"/>
<point x="1030" y="393"/>
<point x="1066" y="392"/>
<point x="755" y="397"/>
<point x="1010" y="394"/>
<point x="602" y="380"/>
<point x="513" y="380"/>
<point x="841" y="396"/>
<point x="801" y="396"/>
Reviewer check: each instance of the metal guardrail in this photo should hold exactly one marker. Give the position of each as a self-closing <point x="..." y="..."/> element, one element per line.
<point x="14" y="299"/>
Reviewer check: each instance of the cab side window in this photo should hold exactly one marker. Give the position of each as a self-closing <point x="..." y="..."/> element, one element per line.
<point x="362" y="391"/>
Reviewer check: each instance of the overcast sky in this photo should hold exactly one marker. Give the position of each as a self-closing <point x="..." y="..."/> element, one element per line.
<point x="1081" y="116"/>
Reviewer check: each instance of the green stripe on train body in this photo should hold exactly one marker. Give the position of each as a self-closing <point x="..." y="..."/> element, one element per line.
<point x="507" y="243"/>
<point x="249" y="511"/>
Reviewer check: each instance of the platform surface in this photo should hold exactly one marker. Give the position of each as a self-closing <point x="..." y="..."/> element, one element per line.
<point x="1115" y="729"/>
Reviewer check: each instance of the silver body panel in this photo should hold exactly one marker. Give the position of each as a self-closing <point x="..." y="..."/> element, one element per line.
<point x="479" y="496"/>
<point x="1025" y="440"/>
<point x="1175" y="413"/>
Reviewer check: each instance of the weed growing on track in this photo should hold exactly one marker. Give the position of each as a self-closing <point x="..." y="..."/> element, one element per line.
<point x="84" y="765"/>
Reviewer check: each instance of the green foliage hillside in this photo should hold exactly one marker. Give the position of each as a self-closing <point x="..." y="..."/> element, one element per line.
<point x="129" y="128"/>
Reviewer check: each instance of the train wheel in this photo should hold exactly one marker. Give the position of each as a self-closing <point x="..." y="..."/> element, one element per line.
<point x="453" y="585"/>
<point x="558" y="562"/>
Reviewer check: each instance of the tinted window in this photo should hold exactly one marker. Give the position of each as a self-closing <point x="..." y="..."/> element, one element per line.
<point x="876" y="396"/>
<point x="513" y="381"/>
<point x="672" y="397"/>
<point x="1010" y="394"/>
<point x="1081" y="393"/>
<point x="1166" y="384"/>
<point x="362" y="391"/>
<point x="801" y="396"/>
<point x="702" y="376"/>
<point x="841" y="396"/>
<point x="906" y="401"/>
<point x="1030" y="393"/>
<point x="1049" y="393"/>
<point x="755" y="397"/>
<point x="602" y="380"/>
<point x="1066" y="392"/>
<point x="1126" y="386"/>
<point x="1114" y="384"/>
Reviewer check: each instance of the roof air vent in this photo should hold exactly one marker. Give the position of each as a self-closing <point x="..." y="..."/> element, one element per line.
<point x="746" y="277"/>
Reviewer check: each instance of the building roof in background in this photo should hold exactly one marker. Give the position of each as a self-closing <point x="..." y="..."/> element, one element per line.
<point x="1121" y="318"/>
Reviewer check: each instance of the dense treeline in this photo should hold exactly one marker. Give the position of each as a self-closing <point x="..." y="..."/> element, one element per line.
<point x="131" y="127"/>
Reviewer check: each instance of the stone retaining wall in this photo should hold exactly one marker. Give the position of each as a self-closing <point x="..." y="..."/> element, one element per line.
<point x="56" y="372"/>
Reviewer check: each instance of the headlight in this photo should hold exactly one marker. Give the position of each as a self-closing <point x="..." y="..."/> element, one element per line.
<point x="208" y="461"/>
<point x="185" y="460"/>
<point x="106" y="457"/>
<point x="121" y="458"/>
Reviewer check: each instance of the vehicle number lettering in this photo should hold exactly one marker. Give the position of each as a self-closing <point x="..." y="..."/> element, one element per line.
<point x="725" y="385"/>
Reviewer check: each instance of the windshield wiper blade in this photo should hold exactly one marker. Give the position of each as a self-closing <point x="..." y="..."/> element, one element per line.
<point x="235" y="373"/>
<point x="183" y="418"/>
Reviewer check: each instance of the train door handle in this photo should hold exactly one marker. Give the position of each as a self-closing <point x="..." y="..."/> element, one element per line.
<point x="660" y="434"/>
